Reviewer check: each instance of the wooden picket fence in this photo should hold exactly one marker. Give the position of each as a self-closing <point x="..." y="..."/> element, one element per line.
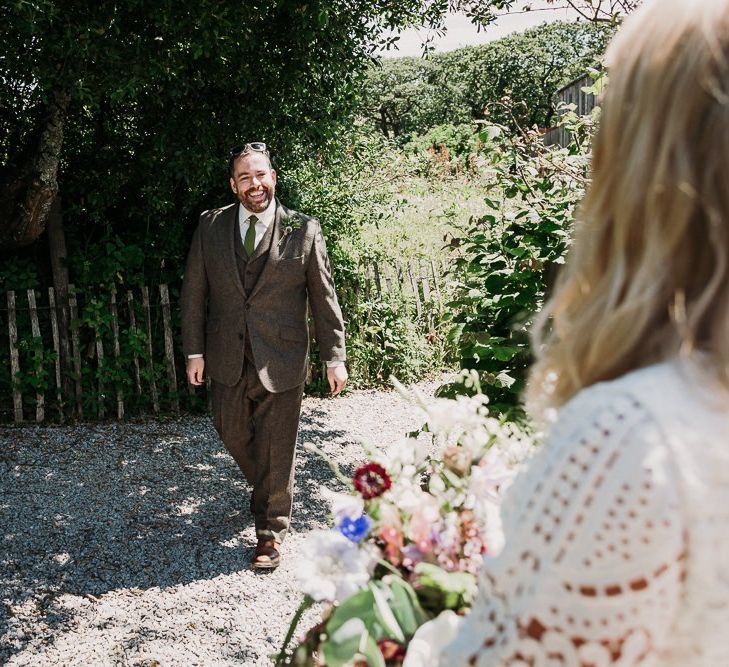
<point x="130" y="318"/>
<point x="421" y="279"/>
<point x="114" y="353"/>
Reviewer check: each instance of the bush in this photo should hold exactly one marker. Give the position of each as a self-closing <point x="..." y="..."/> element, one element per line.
<point x="444" y="148"/>
<point x="508" y="258"/>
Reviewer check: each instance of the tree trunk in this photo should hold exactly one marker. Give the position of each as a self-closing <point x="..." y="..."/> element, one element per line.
<point x="25" y="202"/>
<point x="383" y="122"/>
<point x="59" y="267"/>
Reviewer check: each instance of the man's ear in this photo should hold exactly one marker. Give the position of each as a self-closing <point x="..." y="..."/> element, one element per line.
<point x="233" y="186"/>
<point x="273" y="175"/>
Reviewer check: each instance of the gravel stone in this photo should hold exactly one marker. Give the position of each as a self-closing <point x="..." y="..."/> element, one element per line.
<point x="130" y="544"/>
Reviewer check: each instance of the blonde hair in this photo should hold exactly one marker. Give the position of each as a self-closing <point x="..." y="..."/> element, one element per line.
<point x="648" y="274"/>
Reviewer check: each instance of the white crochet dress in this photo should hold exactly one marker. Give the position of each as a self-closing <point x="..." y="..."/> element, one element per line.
<point x="617" y="535"/>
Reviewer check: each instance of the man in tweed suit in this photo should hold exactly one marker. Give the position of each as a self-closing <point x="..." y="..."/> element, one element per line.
<point x="252" y="270"/>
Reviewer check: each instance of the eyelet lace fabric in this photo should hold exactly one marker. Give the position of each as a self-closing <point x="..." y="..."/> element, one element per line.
<point x="616" y="535"/>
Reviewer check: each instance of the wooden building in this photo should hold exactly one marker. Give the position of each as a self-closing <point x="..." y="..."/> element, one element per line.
<point x="572" y="93"/>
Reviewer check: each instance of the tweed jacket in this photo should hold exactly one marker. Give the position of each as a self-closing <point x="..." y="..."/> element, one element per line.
<point x="217" y="315"/>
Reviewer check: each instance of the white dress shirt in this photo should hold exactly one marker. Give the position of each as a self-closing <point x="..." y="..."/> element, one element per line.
<point x="265" y="218"/>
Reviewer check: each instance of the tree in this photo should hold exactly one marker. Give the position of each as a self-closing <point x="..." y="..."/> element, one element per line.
<point x="107" y="99"/>
<point x="412" y="95"/>
<point x="484" y="12"/>
<point x="127" y="109"/>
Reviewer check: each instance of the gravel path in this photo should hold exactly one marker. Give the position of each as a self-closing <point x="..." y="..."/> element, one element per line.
<point x="130" y="544"/>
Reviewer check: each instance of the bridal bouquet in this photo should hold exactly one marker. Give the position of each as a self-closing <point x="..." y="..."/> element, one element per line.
<point x="408" y="539"/>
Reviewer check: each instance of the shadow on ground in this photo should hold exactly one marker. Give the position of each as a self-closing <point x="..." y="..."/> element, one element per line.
<point x="89" y="509"/>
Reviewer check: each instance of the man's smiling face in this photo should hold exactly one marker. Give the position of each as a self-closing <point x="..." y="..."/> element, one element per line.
<point x="253" y="181"/>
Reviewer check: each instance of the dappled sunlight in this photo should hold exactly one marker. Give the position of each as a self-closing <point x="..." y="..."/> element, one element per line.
<point x="138" y="510"/>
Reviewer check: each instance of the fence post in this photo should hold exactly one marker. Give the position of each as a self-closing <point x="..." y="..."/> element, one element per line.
<point x="416" y="291"/>
<point x="100" y="367"/>
<point x="75" y="345"/>
<point x="14" y="359"/>
<point x="435" y="283"/>
<point x="169" y="347"/>
<point x="388" y="278"/>
<point x="399" y="274"/>
<point x="424" y="277"/>
<point x="40" y="399"/>
<point x="378" y="282"/>
<point x="57" y="350"/>
<point x="148" y="317"/>
<point x="133" y="331"/>
<point x="117" y="353"/>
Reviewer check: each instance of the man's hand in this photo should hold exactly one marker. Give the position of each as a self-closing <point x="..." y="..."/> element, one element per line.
<point x="337" y="376"/>
<point x="196" y="370"/>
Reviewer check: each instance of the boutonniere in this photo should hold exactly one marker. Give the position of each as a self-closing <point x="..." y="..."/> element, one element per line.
<point x="293" y="225"/>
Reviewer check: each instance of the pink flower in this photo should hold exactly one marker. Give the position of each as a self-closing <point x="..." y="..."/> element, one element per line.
<point x="393" y="544"/>
<point x="419" y="532"/>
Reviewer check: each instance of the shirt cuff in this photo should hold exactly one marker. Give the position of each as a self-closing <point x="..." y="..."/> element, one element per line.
<point x="334" y="364"/>
<point x="194" y="356"/>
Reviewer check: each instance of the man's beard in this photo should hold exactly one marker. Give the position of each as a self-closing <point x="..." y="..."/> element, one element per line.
<point x="257" y="204"/>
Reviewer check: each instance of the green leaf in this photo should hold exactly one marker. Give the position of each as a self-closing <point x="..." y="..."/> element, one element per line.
<point x="444" y="590"/>
<point x="350" y="642"/>
<point x="384" y="613"/>
<point x="503" y="352"/>
<point x="405" y="605"/>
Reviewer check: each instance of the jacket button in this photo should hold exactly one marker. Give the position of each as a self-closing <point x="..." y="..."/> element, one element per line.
<point x="241" y="336"/>
<point x="248" y="306"/>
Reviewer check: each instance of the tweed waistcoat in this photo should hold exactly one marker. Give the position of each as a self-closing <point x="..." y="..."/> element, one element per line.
<point x="250" y="268"/>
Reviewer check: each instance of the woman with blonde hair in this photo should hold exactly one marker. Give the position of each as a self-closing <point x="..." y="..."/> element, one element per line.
<point x="617" y="532"/>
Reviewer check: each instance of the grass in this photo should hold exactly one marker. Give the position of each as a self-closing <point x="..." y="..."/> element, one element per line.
<point x="425" y="212"/>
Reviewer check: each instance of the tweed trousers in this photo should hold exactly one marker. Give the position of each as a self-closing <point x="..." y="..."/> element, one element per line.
<point x="259" y="429"/>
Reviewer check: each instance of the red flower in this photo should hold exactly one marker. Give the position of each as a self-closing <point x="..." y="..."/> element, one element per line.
<point x="371" y="480"/>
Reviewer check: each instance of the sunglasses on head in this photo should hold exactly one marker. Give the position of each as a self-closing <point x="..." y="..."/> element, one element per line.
<point x="254" y="146"/>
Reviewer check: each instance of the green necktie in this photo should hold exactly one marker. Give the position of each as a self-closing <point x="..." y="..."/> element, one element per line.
<point x="249" y="243"/>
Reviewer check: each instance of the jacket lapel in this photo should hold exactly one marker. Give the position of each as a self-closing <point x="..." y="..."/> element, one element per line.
<point x="229" y="241"/>
<point x="274" y="254"/>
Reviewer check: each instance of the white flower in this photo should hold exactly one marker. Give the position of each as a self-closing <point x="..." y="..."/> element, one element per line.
<point x="406" y="495"/>
<point x="446" y="416"/>
<point x="430" y="639"/>
<point x="515" y="447"/>
<point x="493" y="531"/>
<point x="332" y="567"/>
<point x="406" y="455"/>
<point x="343" y="505"/>
<point x="487" y="480"/>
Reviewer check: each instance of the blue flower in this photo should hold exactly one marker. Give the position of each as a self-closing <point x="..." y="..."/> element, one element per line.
<point x="354" y="529"/>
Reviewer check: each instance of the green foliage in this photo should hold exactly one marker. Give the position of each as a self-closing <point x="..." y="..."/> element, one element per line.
<point x="459" y="140"/>
<point x="408" y="96"/>
<point x="348" y="192"/>
<point x="444" y="149"/>
<point x="507" y="258"/>
<point x="18" y="273"/>
<point x="438" y="589"/>
<point x="158" y="93"/>
<point x="388" y="609"/>
<point x="386" y="339"/>
<point x="109" y="261"/>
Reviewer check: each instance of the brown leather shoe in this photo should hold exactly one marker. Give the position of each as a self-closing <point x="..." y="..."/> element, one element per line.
<point x="267" y="556"/>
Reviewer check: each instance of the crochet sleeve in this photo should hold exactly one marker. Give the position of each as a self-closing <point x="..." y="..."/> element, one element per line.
<point x="592" y="566"/>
